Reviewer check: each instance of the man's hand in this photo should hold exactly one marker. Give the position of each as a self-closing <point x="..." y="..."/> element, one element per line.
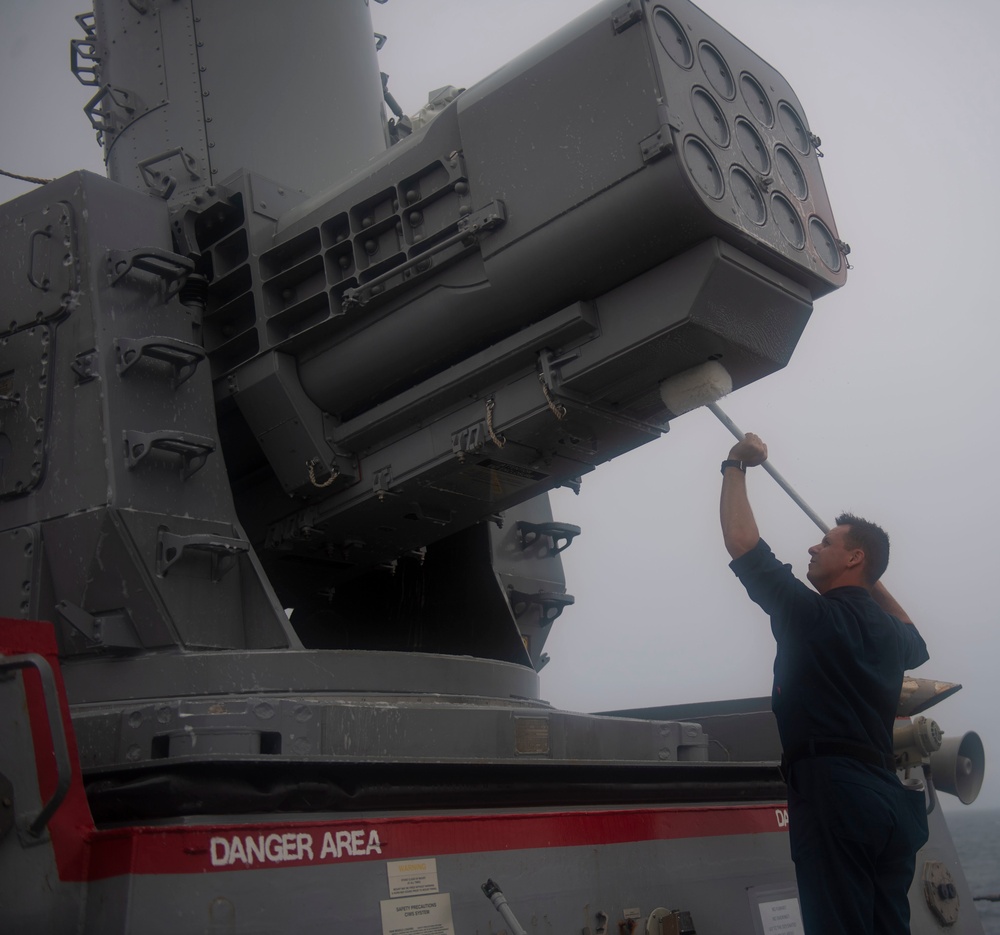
<point x="751" y="450"/>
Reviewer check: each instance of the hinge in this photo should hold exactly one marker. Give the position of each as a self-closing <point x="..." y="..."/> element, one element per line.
<point x="628" y="14"/>
<point x="661" y="143"/>
<point x="657" y="144"/>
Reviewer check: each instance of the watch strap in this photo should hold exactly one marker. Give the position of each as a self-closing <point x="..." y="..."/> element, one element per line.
<point x="730" y="462"/>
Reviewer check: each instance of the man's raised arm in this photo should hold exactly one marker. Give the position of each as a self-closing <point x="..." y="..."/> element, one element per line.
<point x="739" y="528"/>
<point x="888" y="603"/>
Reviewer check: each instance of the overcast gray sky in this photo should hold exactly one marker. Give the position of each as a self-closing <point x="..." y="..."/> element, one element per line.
<point x="887" y="409"/>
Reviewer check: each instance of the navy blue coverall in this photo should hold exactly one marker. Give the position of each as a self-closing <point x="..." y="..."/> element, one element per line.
<point x="854" y="829"/>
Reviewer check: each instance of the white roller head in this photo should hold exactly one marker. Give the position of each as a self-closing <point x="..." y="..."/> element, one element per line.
<point x="696" y="387"/>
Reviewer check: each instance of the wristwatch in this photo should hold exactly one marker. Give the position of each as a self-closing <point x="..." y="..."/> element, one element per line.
<point x="730" y="462"/>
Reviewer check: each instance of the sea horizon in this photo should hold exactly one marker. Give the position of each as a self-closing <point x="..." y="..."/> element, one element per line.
<point x="976" y="834"/>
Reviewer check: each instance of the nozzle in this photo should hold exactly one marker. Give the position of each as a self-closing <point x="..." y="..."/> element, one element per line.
<point x="495" y="895"/>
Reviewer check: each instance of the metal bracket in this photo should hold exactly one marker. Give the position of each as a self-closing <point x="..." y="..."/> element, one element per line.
<point x="493" y="215"/>
<point x="85" y="50"/>
<point x="172" y="268"/>
<point x="660" y="143"/>
<point x="551" y="377"/>
<point x="170" y="548"/>
<point x="84" y="365"/>
<point x="114" y="630"/>
<point x="557" y="532"/>
<point x="551" y="365"/>
<point x="88" y="23"/>
<point x="182" y="356"/>
<point x="468" y="229"/>
<point x="572" y="483"/>
<point x="30" y="826"/>
<point x="628" y="14"/>
<point x="162" y="183"/>
<point x="470" y="438"/>
<point x="193" y="450"/>
<point x="553" y="603"/>
<point x="103" y="120"/>
<point x="381" y="482"/>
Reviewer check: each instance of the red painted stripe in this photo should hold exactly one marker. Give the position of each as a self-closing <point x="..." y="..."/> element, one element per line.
<point x="181" y="850"/>
<point x="83" y="853"/>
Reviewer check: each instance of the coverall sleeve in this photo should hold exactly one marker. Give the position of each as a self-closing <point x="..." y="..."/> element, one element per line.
<point x="772" y="586"/>
<point x="914" y="648"/>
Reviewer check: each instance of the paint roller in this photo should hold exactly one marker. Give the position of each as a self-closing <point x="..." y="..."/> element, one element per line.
<point x="702" y="386"/>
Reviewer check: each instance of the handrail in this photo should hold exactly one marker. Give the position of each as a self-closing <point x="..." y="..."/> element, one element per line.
<point x="36" y="825"/>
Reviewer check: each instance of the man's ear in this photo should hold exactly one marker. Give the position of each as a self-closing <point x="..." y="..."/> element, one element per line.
<point x="857" y="557"/>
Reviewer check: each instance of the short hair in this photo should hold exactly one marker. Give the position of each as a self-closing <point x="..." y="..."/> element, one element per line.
<point x="872" y="540"/>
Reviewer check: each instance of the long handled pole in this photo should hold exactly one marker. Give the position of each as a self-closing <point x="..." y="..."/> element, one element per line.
<point x="767" y="466"/>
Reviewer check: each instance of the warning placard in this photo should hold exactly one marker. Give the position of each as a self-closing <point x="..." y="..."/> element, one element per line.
<point x="781" y="917"/>
<point x="418" y="915"/>
<point x="412" y="877"/>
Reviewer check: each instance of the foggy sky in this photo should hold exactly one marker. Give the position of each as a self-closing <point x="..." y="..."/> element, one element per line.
<point x="887" y="408"/>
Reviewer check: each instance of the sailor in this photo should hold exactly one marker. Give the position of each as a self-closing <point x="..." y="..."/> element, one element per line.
<point x="854" y="828"/>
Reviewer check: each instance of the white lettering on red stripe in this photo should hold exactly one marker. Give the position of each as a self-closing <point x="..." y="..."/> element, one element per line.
<point x="290" y="847"/>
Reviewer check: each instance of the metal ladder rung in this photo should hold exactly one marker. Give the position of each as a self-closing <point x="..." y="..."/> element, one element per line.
<point x="182" y="356"/>
<point x="193" y="450"/>
<point x="170" y="549"/>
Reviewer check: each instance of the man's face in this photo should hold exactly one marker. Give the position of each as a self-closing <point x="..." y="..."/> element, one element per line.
<point x="830" y="558"/>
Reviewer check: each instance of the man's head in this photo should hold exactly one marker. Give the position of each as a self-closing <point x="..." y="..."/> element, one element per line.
<point x="854" y="552"/>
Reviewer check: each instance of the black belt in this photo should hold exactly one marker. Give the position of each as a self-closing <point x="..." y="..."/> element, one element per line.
<point x="855" y="751"/>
